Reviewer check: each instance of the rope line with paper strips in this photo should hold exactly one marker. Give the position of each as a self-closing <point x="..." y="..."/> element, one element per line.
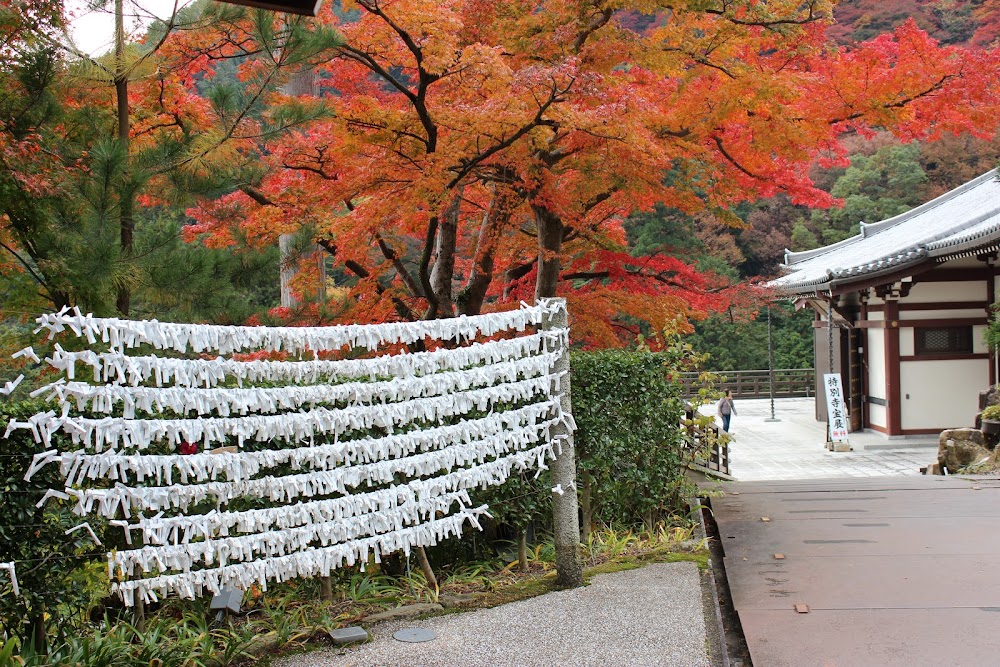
<point x="326" y="462"/>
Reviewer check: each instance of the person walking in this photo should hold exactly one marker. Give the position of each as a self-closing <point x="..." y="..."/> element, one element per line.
<point x="726" y="409"/>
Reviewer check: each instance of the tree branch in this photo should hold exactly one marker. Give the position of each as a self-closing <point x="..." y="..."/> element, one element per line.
<point x="735" y="163"/>
<point x="397" y="264"/>
<point x="402" y="309"/>
<point x="467" y="165"/>
<point x="596" y="23"/>
<point x="25" y="264"/>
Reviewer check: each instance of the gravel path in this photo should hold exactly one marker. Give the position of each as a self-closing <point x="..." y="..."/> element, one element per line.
<point x="651" y="617"/>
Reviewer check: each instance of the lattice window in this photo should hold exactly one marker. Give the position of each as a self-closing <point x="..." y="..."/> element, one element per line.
<point x="943" y="340"/>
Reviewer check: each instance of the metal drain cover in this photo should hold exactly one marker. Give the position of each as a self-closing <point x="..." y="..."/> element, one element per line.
<point x="414" y="635"/>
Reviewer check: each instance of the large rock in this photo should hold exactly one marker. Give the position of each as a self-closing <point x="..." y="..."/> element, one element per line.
<point x="989" y="397"/>
<point x="961" y="447"/>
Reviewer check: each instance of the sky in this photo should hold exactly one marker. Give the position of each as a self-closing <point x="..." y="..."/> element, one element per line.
<point x="93" y="30"/>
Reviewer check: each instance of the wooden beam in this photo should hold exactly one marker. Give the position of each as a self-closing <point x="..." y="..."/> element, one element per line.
<point x="934" y="305"/>
<point x="957" y="275"/>
<point x="943" y="322"/>
<point x="927" y="271"/>
<point x="991" y="297"/>
<point x="912" y="324"/>
<point x="944" y="357"/>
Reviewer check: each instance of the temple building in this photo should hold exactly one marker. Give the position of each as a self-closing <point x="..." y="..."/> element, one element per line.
<point x="901" y="311"/>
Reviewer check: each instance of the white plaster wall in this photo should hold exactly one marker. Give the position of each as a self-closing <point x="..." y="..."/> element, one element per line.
<point x="950" y="291"/>
<point x="979" y="345"/>
<point x="941" y="394"/>
<point x="907" y="341"/>
<point x="875" y="363"/>
<point x="940" y="314"/>
<point x="877" y="416"/>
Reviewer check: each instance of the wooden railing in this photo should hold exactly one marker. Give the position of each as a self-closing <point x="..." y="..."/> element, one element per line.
<point x="718" y="448"/>
<point x="788" y="383"/>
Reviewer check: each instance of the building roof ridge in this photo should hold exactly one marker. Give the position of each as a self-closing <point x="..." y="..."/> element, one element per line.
<point x="869" y="230"/>
<point x="882" y="225"/>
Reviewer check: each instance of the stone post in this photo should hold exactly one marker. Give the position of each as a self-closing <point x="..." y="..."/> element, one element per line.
<point x="565" y="509"/>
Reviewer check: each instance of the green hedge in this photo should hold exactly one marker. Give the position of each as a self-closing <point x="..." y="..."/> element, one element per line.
<point x="630" y="450"/>
<point x="58" y="579"/>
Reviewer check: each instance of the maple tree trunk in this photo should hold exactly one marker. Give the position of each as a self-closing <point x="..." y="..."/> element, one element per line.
<point x="430" y="240"/>
<point x="425" y="567"/>
<point x="286" y="271"/>
<point x="470" y="300"/>
<point x="126" y="207"/>
<point x="550" y="233"/>
<point x="444" y="263"/>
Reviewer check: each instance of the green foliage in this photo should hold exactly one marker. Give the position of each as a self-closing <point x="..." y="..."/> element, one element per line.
<point x="185" y="282"/>
<point x="628" y="439"/>
<point x="68" y="211"/>
<point x="735" y="345"/>
<point x="874" y="188"/>
<point x="991" y="412"/>
<point x="661" y="228"/>
<point x="803" y="238"/>
<point x="165" y="642"/>
<point x="521" y="500"/>
<point x="993" y="330"/>
<point x="60" y="576"/>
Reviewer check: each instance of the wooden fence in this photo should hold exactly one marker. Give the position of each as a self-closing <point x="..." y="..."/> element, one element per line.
<point x="788" y="382"/>
<point x="718" y="457"/>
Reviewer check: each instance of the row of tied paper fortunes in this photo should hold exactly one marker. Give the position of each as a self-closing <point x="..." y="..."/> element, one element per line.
<point x="122" y="334"/>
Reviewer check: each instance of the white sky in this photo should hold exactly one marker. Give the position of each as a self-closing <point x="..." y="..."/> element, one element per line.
<point x="93" y="29"/>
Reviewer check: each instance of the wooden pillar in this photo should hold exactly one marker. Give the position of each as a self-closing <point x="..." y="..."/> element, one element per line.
<point x="991" y="297"/>
<point x="892" y="390"/>
<point x="863" y="360"/>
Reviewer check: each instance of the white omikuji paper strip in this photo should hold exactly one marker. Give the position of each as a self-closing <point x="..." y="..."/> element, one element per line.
<point x="226" y="550"/>
<point x="161" y="530"/>
<point x="119" y="368"/>
<point x="12" y="573"/>
<point x="306" y="485"/>
<point x="309" y="533"/>
<point x="258" y="400"/>
<point x="78" y="467"/>
<point x="123" y="334"/>
<point x="309" y="563"/>
<point x="121" y="433"/>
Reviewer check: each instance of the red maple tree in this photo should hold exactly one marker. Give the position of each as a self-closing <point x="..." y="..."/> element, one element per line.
<point x="477" y="153"/>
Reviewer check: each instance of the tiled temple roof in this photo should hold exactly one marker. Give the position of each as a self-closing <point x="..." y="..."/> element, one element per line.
<point x="965" y="220"/>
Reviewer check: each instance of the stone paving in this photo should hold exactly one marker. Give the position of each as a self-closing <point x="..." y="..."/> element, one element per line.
<point x="793" y="448"/>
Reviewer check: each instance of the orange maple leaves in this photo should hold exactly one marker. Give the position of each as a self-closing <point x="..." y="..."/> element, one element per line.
<point x="458" y="127"/>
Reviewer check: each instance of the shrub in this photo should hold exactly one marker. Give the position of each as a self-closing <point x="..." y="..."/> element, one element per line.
<point x="631" y="451"/>
<point x="991" y="412"/>
<point x="58" y="579"/>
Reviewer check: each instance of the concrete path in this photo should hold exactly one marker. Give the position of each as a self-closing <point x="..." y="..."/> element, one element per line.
<point x="651" y="617"/>
<point x="793" y="447"/>
<point x="892" y="571"/>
